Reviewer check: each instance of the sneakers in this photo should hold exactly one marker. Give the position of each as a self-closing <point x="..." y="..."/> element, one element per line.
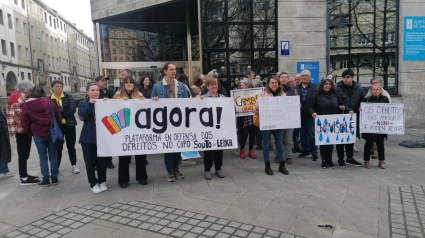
<point x="207" y="175"/>
<point x="330" y="164"/>
<point x="75" y="170"/>
<point x="111" y="165"/>
<point x="7" y="175"/>
<point x="314" y="158"/>
<point x="45" y="183"/>
<point x="341" y="163"/>
<point x="382" y="164"/>
<point x="188" y="162"/>
<point x="366" y="164"/>
<point x="103" y="187"/>
<point x="30" y="180"/>
<point x="289" y="160"/>
<point x="352" y="161"/>
<point x="220" y="173"/>
<point x="324" y="164"/>
<point x="178" y="175"/>
<point x="96" y="189"/>
<point x="55" y="181"/>
<point x="305" y="155"/>
<point x="170" y="177"/>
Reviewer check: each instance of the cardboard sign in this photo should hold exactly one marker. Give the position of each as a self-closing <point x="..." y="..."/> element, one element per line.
<point x="279" y="112"/>
<point x="245" y="100"/>
<point x="382" y="118"/>
<point x="335" y="129"/>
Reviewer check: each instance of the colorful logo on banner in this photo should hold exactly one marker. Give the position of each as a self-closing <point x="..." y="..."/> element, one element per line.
<point x="340" y="128"/>
<point x="117" y="121"/>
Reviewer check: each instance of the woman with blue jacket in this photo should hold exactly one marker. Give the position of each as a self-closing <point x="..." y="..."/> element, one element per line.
<point x="88" y="141"/>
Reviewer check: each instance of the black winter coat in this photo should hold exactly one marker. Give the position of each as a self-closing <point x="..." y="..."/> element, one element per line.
<point x="68" y="109"/>
<point x="372" y="99"/>
<point x="353" y="98"/>
<point x="326" y="103"/>
<point x="311" y="90"/>
<point x="5" y="148"/>
<point x="105" y="93"/>
<point x="289" y="91"/>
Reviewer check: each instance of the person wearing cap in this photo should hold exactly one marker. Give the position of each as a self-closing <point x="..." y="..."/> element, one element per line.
<point x="100" y="81"/>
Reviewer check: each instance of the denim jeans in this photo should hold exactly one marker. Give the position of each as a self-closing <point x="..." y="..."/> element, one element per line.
<point x="278" y="137"/>
<point x="287" y="143"/>
<point x="4" y="169"/>
<point x="172" y="161"/>
<point x="47" y="151"/>
<point x="308" y="142"/>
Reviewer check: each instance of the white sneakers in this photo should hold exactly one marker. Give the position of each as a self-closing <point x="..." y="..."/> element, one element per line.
<point x="98" y="188"/>
<point x="75" y="170"/>
<point x="103" y="187"/>
<point x="7" y="175"/>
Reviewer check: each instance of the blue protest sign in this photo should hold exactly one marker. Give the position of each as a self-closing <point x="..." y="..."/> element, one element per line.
<point x="284" y="47"/>
<point x="414" y="38"/>
<point x="313" y="67"/>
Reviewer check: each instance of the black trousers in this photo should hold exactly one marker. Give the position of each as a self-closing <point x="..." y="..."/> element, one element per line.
<point x="70" y="138"/>
<point x="379" y="139"/>
<point x="296" y="138"/>
<point x="124" y="169"/>
<point x="349" y="151"/>
<point x="211" y="156"/>
<point x="258" y="137"/>
<point x="93" y="161"/>
<point x="23" y="144"/>
<point x="248" y="131"/>
<point x="326" y="152"/>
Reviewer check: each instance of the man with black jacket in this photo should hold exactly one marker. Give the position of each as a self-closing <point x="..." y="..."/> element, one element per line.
<point x="352" y="95"/>
<point x="104" y="93"/>
<point x="306" y="89"/>
<point x="67" y="109"/>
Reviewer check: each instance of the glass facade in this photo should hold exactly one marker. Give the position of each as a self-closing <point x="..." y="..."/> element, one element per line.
<point x="239" y="35"/>
<point x="370" y="46"/>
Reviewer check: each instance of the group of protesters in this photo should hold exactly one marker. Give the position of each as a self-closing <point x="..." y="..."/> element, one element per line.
<point x="30" y="116"/>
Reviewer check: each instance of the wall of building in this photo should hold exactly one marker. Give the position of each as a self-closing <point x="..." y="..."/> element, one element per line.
<point x="303" y="23"/>
<point x="412" y="79"/>
<point x="41" y="35"/>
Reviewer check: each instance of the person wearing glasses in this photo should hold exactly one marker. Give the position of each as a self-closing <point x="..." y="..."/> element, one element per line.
<point x="128" y="90"/>
<point x="351" y="93"/>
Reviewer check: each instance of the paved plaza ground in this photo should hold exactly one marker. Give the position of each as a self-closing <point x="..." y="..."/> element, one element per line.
<point x="354" y="201"/>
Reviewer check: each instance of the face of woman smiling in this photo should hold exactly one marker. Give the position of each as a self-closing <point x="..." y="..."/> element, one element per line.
<point x="327" y="86"/>
<point x="273" y="84"/>
<point x="129" y="86"/>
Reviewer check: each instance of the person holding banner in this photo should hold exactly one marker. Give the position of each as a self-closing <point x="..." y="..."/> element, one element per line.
<point x="213" y="156"/>
<point x="246" y="127"/>
<point x="272" y="89"/>
<point x="88" y="141"/>
<point x="326" y="102"/>
<point x="376" y="97"/>
<point x="128" y="90"/>
<point x="169" y="87"/>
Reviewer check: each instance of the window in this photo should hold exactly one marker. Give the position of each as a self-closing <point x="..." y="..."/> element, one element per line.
<point x="3" y="47"/>
<point x="23" y="4"/>
<point x="22" y="75"/>
<point x="19" y="52"/>
<point x="45" y="18"/>
<point x="32" y="31"/>
<point x="24" y="25"/>
<point x="9" y="19"/>
<point x="29" y="76"/>
<point x="17" y="25"/>
<point x="12" y="49"/>
<point x="16" y="2"/>
<point x="1" y="17"/>
<point x="34" y="54"/>
<point x="54" y="23"/>
<point x="50" y="20"/>
<point x="27" y="53"/>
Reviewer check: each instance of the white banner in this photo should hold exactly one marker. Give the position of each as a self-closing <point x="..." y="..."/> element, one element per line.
<point x="279" y="112"/>
<point x="382" y="118"/>
<point x="335" y="129"/>
<point x="135" y="127"/>
<point x="245" y="100"/>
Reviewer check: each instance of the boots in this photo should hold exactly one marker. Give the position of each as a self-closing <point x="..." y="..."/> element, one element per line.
<point x="251" y="154"/>
<point x="268" y="170"/>
<point x="242" y="154"/>
<point x="282" y="168"/>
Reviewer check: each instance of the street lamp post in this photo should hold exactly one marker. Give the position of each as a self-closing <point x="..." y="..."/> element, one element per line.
<point x="340" y="24"/>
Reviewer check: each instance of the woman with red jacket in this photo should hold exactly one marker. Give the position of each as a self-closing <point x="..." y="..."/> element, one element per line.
<point x="36" y="119"/>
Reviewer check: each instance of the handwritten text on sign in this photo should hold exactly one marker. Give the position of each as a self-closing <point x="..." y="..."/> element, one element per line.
<point x="136" y="127"/>
<point x="279" y="112"/>
<point x="245" y="100"/>
<point x="335" y="129"/>
<point x="382" y="118"/>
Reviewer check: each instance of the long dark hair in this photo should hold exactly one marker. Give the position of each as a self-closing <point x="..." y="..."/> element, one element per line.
<point x="123" y="93"/>
<point x="322" y="84"/>
<point x="279" y="89"/>
<point x="150" y="82"/>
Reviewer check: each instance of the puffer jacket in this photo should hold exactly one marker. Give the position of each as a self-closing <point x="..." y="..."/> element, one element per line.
<point x="36" y="116"/>
<point x="326" y="103"/>
<point x="353" y="98"/>
<point x="68" y="109"/>
<point x="88" y="133"/>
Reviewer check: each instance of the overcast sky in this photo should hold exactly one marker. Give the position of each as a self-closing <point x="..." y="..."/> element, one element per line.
<point x="76" y="11"/>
